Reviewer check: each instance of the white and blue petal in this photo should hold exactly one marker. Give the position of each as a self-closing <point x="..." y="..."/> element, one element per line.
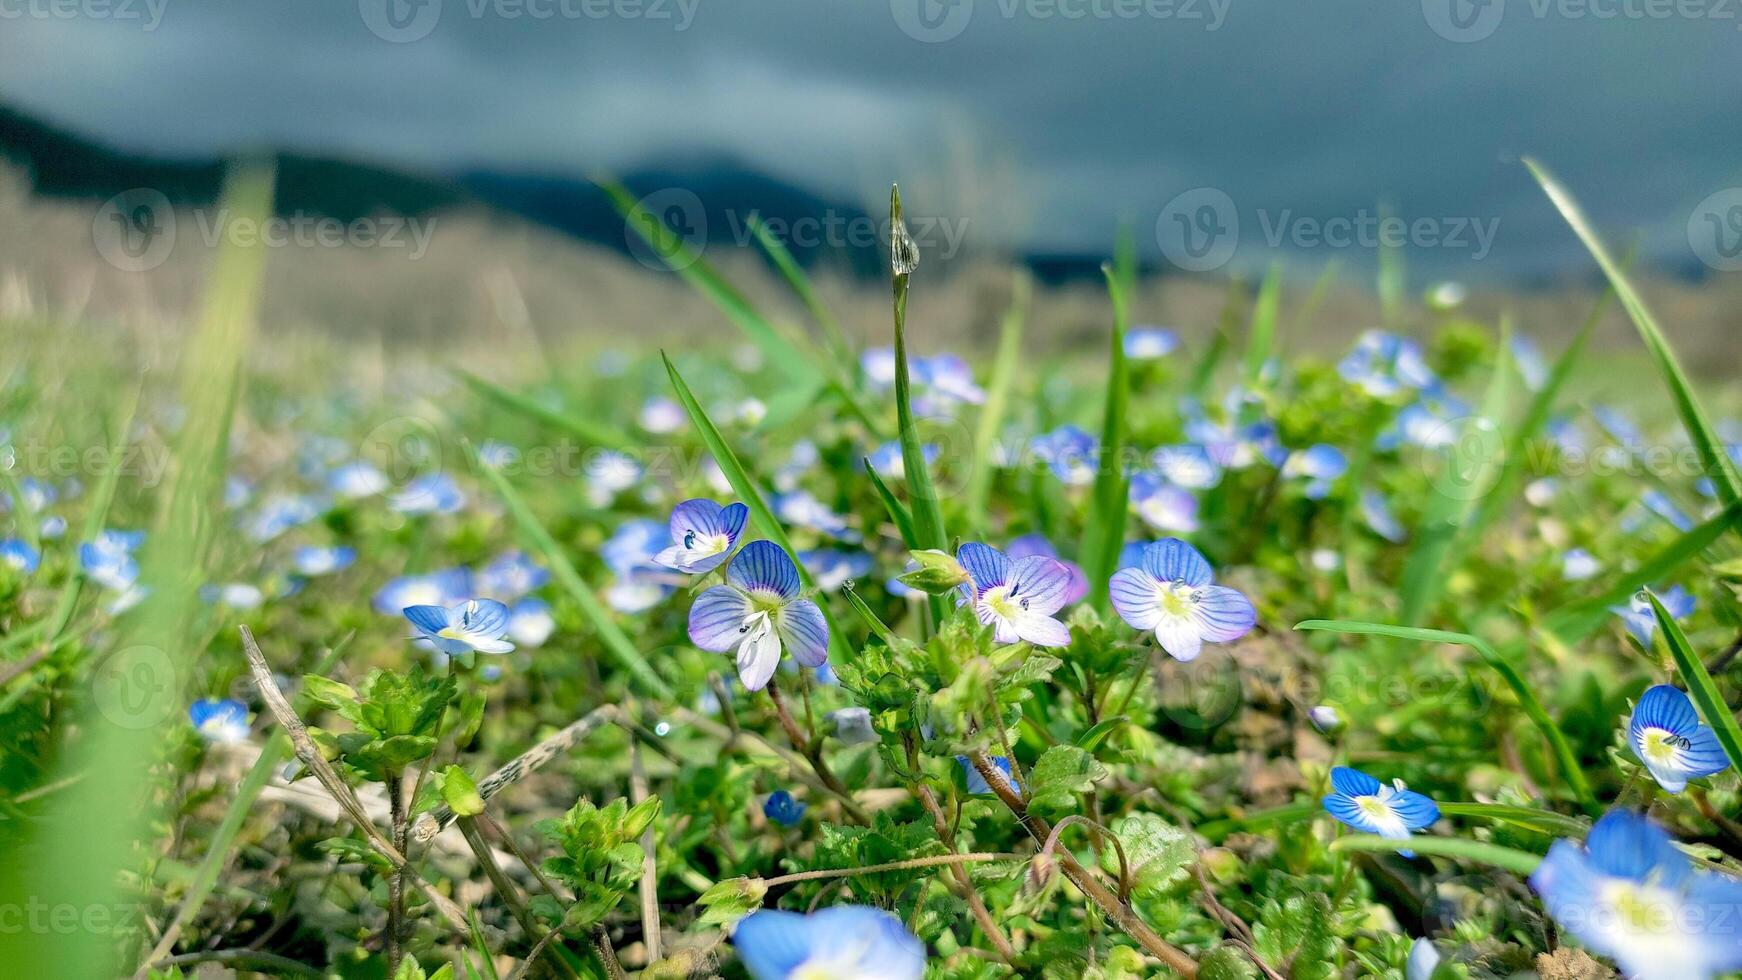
<point x="985" y="564"/>
<point x="763" y="566"/>
<point x="717" y="617"/>
<point x="804" y="632"/>
<point x="844" y="942"/>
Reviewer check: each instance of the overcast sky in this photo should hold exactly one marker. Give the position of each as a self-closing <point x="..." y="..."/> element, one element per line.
<point x="1042" y="122"/>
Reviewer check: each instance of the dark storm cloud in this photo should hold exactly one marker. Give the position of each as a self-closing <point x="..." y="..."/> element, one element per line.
<point x="1045" y="122"/>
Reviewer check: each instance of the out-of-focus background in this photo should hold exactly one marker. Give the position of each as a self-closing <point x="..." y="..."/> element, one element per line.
<point x="436" y="159"/>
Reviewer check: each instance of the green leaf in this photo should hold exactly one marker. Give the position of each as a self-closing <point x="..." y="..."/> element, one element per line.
<point x="610" y="634"/>
<point x="1527" y="699"/>
<point x="1160" y="853"/>
<point x="897" y="513"/>
<point x="750" y="494"/>
<point x="460" y="793"/>
<point x="1104" y="534"/>
<point x="1505" y="858"/>
<point x="1062" y="773"/>
<point x="586" y="430"/>
<point x="1091" y="740"/>
<point x="1530" y="818"/>
<point x="1700" y="685"/>
<point x="730" y="900"/>
<point x="1713" y="458"/>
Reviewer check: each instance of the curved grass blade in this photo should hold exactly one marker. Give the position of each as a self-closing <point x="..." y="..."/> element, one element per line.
<point x="610" y="634"/>
<point x="928" y="518"/>
<point x="1259" y="820"/>
<point x="1527" y="699"/>
<point x="991" y="420"/>
<point x="1713" y="458"/>
<point x="748" y="492"/>
<point x="1528" y="817"/>
<point x="1506" y="858"/>
<point x="897" y="513"/>
<point x="1573" y="622"/>
<point x="1701" y="687"/>
<point x="689" y="264"/>
<point x="1105" y="532"/>
<point x="584" y="429"/>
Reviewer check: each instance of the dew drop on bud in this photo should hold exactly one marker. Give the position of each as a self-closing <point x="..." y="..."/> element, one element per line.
<point x="903" y="253"/>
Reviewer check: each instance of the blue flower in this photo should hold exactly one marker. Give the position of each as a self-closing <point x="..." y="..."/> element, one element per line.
<point x="1071" y="453"/>
<point x="781" y="808"/>
<point x="1618" y="426"/>
<point x="758" y="612"/>
<point x="662" y="416"/>
<point x="497" y="455"/>
<point x="1190" y="466"/>
<point x="219" y="721"/>
<point x="1642" y="622"/>
<point x="1170" y="591"/>
<point x="853" y="725"/>
<point x="37" y="494"/>
<point x="1037" y="544"/>
<point x="432" y="493"/>
<point x="609" y="473"/>
<point x="1631" y="895"/>
<point x="1659" y="503"/>
<point x="530" y="622"/>
<point x="476" y="624"/>
<point x="278" y="514"/>
<point x="852" y="942"/>
<point x="1423" y="960"/>
<point x="1366" y="804"/>
<point x="236" y="595"/>
<point x="947" y="378"/>
<point x="1162" y="505"/>
<point x="703" y="535"/>
<point x="1150" y="343"/>
<point x="1577" y="565"/>
<point x="1665" y="733"/>
<point x="832" y="568"/>
<point x="803" y="509"/>
<point x="511" y="575"/>
<point x="237" y="492"/>
<point x="887" y="463"/>
<point x="442" y="588"/>
<point x="19" y="556"/>
<point x="1321" y="465"/>
<point x="312" y="560"/>
<point x="108" y="560"/>
<point x="52" y="527"/>
<point x="976" y="784"/>
<point x="1531" y="367"/>
<point x="629" y="552"/>
<point x="1383" y="364"/>
<point x="1017" y="597"/>
<point x="1376" y="511"/>
<point x="356" y="480"/>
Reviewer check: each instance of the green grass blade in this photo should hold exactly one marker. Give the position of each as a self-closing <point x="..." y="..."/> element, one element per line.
<point x="748" y="492"/>
<point x="1445" y="532"/>
<point x="1262" y="337"/>
<point x="801" y="287"/>
<point x="991" y="421"/>
<point x="880" y="629"/>
<point x="928" y="517"/>
<point x="1528" y="817"/>
<point x="610" y="634"/>
<point x="595" y="433"/>
<point x="1215" y="830"/>
<point x="1573" y="622"/>
<point x="1701" y="687"/>
<point x="1229" y="321"/>
<point x="897" y="513"/>
<point x="1392" y="281"/>
<point x="1506" y="858"/>
<point x="688" y="263"/>
<point x="1713" y="457"/>
<point x="1527" y="699"/>
<point x="1104" y="533"/>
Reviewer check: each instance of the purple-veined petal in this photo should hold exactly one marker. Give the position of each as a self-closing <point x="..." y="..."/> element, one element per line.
<point x="485" y="617"/>
<point x="1172" y="560"/>
<point x="1179" y="636"/>
<point x="758" y="656"/>
<point x="988" y="567"/>
<point x="764" y="566"/>
<point x="429" y="619"/>
<point x="1667" y="708"/>
<point x="1042" y="630"/>
<point x="805" y="632"/>
<point x="716" y="618"/>
<point x="699" y="515"/>
<point x="1042" y="581"/>
<point x="1135" y="598"/>
<point x="1353" y="782"/>
<point x="1223" y="614"/>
